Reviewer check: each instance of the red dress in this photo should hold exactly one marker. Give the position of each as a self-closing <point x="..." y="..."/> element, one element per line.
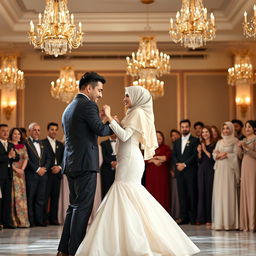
<point x="157" y="178"/>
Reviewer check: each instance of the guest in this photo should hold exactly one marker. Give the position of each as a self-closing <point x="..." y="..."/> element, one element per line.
<point x="19" y="195"/>
<point x="248" y="179"/>
<point x="198" y="127"/>
<point x="175" y="205"/>
<point x="24" y="134"/>
<point x="108" y="168"/>
<point x="215" y="133"/>
<point x="157" y="173"/>
<point x="205" y="177"/>
<point x="238" y="124"/>
<point x="226" y="181"/>
<point x="38" y="164"/>
<point x="8" y="155"/>
<point x="55" y="149"/>
<point x="185" y="160"/>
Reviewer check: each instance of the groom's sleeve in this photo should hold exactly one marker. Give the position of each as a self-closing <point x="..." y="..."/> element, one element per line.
<point x="91" y="116"/>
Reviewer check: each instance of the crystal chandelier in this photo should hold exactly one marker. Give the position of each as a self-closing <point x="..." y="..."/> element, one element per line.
<point x="147" y="64"/>
<point x="66" y="86"/>
<point x="249" y="27"/>
<point x="10" y="76"/>
<point x="242" y="71"/>
<point x="56" y="32"/>
<point x="192" y="27"/>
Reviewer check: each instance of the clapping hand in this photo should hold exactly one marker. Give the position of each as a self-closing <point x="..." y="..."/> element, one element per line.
<point x="12" y="153"/>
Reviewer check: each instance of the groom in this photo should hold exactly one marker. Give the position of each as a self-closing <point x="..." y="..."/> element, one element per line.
<point x="82" y="126"/>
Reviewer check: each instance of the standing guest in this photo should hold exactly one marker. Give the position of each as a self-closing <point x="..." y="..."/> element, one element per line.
<point x="175" y="205"/>
<point x="238" y="124"/>
<point x="248" y="179"/>
<point x="108" y="167"/>
<point x="157" y="173"/>
<point x="215" y="133"/>
<point x="8" y="155"/>
<point x="185" y="160"/>
<point x="19" y="195"/>
<point x="226" y="181"/>
<point x="198" y="127"/>
<point x="205" y="176"/>
<point x="55" y="149"/>
<point x="24" y="134"/>
<point x="38" y="164"/>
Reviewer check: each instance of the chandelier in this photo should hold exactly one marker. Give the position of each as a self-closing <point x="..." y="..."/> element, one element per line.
<point x="242" y="71"/>
<point x="147" y="64"/>
<point x="249" y="27"/>
<point x="10" y="76"/>
<point x="66" y="86"/>
<point x="55" y="32"/>
<point x="192" y="27"/>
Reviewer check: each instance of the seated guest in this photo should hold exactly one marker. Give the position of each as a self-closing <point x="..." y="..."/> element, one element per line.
<point x="157" y="173"/>
<point x="8" y="155"/>
<point x="205" y="177"/>
<point x="108" y="168"/>
<point x="55" y="149"/>
<point x="19" y="195"/>
<point x="38" y="164"/>
<point x="238" y="124"/>
<point x="175" y="205"/>
<point x="198" y="127"/>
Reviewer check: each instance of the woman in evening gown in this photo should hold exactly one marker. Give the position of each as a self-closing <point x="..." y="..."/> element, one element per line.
<point x="129" y="221"/>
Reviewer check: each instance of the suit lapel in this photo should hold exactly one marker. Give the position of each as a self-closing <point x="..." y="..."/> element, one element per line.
<point x="109" y="147"/>
<point x="2" y="146"/>
<point x="50" y="146"/>
<point x="31" y="145"/>
<point x="187" y="144"/>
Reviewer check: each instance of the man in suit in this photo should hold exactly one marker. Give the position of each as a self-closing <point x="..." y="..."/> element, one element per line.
<point x="109" y="163"/>
<point x="185" y="161"/>
<point x="8" y="155"/>
<point x="36" y="179"/>
<point x="82" y="126"/>
<point x="55" y="149"/>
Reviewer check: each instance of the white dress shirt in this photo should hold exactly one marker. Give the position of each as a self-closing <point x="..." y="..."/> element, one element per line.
<point x="113" y="145"/>
<point x="37" y="146"/>
<point x="184" y="140"/>
<point x="53" y="145"/>
<point x="5" y="144"/>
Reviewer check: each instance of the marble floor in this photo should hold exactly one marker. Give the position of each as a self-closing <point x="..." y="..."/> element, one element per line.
<point x="44" y="241"/>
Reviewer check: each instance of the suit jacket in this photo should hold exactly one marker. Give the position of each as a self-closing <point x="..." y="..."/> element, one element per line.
<point x="5" y="162"/>
<point x="189" y="156"/>
<point x="35" y="161"/>
<point x="58" y="155"/>
<point x="82" y="126"/>
<point x="107" y="153"/>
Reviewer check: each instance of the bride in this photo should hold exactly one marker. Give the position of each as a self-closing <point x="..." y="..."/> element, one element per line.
<point x="129" y="221"/>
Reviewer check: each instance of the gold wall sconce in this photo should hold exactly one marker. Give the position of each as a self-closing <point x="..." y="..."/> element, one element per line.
<point x="243" y="103"/>
<point x="8" y="107"/>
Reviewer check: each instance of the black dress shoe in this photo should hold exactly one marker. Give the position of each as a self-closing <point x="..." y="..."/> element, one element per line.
<point x="41" y="224"/>
<point x="55" y="223"/>
<point x="10" y="226"/>
<point x="181" y="222"/>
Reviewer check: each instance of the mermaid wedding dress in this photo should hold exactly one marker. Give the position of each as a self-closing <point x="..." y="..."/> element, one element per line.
<point x="129" y="221"/>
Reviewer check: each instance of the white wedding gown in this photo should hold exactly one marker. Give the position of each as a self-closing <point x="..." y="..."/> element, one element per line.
<point x="129" y="221"/>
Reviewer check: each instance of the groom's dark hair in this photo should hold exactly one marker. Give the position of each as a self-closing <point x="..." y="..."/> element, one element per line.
<point x="91" y="78"/>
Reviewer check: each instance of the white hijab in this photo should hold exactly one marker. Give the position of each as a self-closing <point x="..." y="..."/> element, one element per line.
<point x="230" y="139"/>
<point x="140" y="117"/>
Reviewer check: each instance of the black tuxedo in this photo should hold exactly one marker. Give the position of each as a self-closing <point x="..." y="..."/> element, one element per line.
<point x="53" y="184"/>
<point x="6" y="183"/>
<point x="107" y="173"/>
<point x="36" y="184"/>
<point x="187" y="179"/>
<point x="82" y="126"/>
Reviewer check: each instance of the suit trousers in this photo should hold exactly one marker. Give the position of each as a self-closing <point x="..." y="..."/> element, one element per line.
<point x="52" y="197"/>
<point x="82" y="188"/>
<point x="187" y="191"/>
<point x="36" y="191"/>
<point x="5" y="202"/>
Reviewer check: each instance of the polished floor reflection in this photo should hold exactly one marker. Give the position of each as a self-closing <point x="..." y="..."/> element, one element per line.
<point x="44" y="241"/>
